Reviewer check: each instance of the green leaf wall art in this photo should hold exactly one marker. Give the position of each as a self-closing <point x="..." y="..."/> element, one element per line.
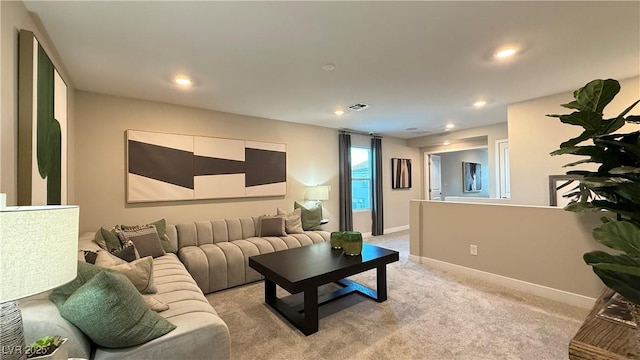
<point x="42" y="111"/>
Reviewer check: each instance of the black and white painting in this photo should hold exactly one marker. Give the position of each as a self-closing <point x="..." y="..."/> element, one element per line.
<point x="471" y="176"/>
<point x="168" y="167"/>
<point x="400" y="173"/>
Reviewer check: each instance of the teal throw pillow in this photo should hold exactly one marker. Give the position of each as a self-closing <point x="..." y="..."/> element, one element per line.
<point x="161" y="227"/>
<point x="86" y="272"/>
<point x="311" y="217"/>
<point x="112" y="313"/>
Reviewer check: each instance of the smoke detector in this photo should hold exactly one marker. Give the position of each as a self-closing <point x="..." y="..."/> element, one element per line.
<point x="359" y="107"/>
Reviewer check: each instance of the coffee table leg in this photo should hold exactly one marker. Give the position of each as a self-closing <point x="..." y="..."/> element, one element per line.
<point x="382" y="283"/>
<point x="269" y="292"/>
<point x="310" y="311"/>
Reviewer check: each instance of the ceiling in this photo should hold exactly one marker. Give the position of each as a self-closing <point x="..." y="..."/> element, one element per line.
<point x="418" y="64"/>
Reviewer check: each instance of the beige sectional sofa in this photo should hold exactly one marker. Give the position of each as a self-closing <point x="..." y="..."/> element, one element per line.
<point x="216" y="253"/>
<point x="212" y="255"/>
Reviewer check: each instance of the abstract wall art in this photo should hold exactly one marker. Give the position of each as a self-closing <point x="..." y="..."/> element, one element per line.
<point x="471" y="176"/>
<point x="400" y="173"/>
<point x="170" y="167"/>
<point x="42" y="127"/>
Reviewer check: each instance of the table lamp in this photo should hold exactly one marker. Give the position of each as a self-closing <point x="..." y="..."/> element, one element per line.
<point x="319" y="192"/>
<point x="38" y="251"/>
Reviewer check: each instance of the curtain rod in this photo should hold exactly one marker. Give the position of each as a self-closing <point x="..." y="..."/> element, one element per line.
<point x="357" y="132"/>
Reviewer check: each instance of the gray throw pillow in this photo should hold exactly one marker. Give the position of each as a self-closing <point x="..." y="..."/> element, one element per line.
<point x="272" y="225"/>
<point x="161" y="227"/>
<point x="145" y="238"/>
<point x="311" y="217"/>
<point x="111" y="312"/>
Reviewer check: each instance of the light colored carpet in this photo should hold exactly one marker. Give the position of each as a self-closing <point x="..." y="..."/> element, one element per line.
<point x="428" y="315"/>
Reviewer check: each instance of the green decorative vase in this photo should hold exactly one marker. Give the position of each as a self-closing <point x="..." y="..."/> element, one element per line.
<point x="336" y="239"/>
<point x="352" y="243"/>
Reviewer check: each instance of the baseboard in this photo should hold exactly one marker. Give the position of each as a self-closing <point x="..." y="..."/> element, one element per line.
<point x="388" y="231"/>
<point x="535" y="289"/>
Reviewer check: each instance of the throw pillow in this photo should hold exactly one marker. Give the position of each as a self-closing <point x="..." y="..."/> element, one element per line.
<point x="90" y="256"/>
<point x="107" y="239"/>
<point x="145" y="238"/>
<point x="86" y="271"/>
<point x="292" y="221"/>
<point x="271" y="225"/>
<point x="126" y="253"/>
<point x="139" y="272"/>
<point x="161" y="227"/>
<point x="311" y="217"/>
<point x="111" y="312"/>
<point x="154" y="303"/>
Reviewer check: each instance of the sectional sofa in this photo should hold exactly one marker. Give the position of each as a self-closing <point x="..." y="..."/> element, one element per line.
<point x="211" y="256"/>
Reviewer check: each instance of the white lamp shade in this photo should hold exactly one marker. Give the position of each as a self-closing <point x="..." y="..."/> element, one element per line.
<point x="38" y="249"/>
<point x="320" y="192"/>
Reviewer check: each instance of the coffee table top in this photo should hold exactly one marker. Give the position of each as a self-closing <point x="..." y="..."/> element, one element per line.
<point x="318" y="264"/>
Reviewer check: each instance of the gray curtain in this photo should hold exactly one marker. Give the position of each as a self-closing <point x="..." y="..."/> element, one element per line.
<point x="377" y="218"/>
<point x="344" y="153"/>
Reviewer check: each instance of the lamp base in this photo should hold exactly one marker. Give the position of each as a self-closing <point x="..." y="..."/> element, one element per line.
<point x="12" y="346"/>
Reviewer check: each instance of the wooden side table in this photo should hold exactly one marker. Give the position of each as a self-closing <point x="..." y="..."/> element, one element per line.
<point x="599" y="338"/>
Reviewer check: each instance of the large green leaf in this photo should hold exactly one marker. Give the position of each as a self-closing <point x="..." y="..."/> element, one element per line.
<point x="612" y="125"/>
<point x="587" y="119"/>
<point x="627" y="285"/>
<point x="626" y="111"/>
<point x="596" y="95"/>
<point x="633" y="118"/>
<point x="619" y="235"/>
<point x="587" y="134"/>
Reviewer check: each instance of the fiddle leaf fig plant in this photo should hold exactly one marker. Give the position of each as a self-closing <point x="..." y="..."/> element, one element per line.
<point x="614" y="185"/>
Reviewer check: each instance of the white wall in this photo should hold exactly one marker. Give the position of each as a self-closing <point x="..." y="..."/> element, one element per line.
<point x="312" y="158"/>
<point x="452" y="172"/>
<point x="14" y="16"/>
<point x="532" y="136"/>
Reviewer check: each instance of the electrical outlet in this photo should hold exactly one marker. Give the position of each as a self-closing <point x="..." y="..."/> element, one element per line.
<point x="473" y="250"/>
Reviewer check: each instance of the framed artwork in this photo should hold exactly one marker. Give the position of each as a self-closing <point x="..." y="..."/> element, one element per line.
<point x="171" y="167"/>
<point x="471" y="177"/>
<point x="400" y="173"/>
<point x="560" y="185"/>
<point x="42" y="126"/>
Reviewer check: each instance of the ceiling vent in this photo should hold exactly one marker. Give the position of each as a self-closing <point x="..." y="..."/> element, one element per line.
<point x="359" y="107"/>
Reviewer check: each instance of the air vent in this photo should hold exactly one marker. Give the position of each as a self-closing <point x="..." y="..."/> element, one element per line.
<point x="359" y="107"/>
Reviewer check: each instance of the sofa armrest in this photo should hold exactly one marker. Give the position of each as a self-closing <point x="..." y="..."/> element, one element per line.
<point x="42" y="318"/>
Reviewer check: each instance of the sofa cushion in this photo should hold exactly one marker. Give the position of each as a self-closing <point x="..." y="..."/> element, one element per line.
<point x="311" y="216"/>
<point x="139" y="272"/>
<point x="111" y="312"/>
<point x="145" y="238"/>
<point x="292" y="221"/>
<point x="272" y="225"/>
<point x="161" y="228"/>
<point x="86" y="271"/>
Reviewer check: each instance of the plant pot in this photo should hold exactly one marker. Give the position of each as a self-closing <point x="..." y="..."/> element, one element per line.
<point x="61" y="353"/>
<point x="634" y="343"/>
<point x="352" y="243"/>
<point x="336" y="239"/>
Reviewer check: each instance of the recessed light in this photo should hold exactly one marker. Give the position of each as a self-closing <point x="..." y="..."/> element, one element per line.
<point x="449" y="126"/>
<point x="339" y="112"/>
<point x="505" y="52"/>
<point x="328" y="67"/>
<point x="479" y="103"/>
<point x="446" y="142"/>
<point x="183" y="80"/>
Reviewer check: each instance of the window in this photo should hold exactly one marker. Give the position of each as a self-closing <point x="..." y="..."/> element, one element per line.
<point x="361" y="178"/>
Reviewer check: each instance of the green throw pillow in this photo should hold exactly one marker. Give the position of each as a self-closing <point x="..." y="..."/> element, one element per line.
<point x="109" y="238"/>
<point x="311" y="217"/>
<point x="86" y="272"/>
<point x="111" y="312"/>
<point x="161" y="227"/>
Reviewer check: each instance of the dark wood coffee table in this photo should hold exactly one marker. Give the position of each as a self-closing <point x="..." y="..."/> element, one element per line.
<point x="304" y="269"/>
